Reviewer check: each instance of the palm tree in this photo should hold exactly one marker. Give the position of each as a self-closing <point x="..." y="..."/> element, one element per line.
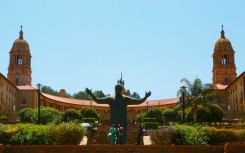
<point x="196" y="94"/>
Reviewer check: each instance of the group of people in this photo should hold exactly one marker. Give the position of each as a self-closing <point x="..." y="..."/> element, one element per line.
<point x="116" y="134"/>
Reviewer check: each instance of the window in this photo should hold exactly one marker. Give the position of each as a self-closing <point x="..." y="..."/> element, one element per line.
<point x="224" y="59"/>
<point x="17" y="81"/>
<point x="19" y="60"/>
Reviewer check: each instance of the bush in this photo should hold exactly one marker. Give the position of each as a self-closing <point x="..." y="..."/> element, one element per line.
<point x="190" y="135"/>
<point x="216" y="113"/>
<point x="170" y="115"/>
<point x="149" y="120"/>
<point x="31" y="134"/>
<point x="89" y="112"/>
<point x="71" y="115"/>
<point x="140" y="118"/>
<point x="50" y="115"/>
<point x="150" y="125"/>
<point x="154" y="113"/>
<point x="68" y="134"/>
<point x="163" y="136"/>
<point x="221" y="136"/>
<point x="28" y="115"/>
<point x="6" y="131"/>
<point x="3" y="118"/>
<point x="203" y="115"/>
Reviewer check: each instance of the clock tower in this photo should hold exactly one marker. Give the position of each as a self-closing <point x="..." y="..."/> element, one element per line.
<point x="224" y="68"/>
<point x="19" y="71"/>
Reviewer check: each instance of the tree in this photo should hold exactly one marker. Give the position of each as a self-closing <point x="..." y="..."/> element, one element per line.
<point x="89" y="112"/>
<point x="99" y="94"/>
<point x="71" y="114"/>
<point x="196" y="94"/>
<point x="135" y="95"/>
<point x="28" y="115"/>
<point x="216" y="113"/>
<point x="50" y="115"/>
<point x="81" y="95"/>
<point x="49" y="90"/>
<point x="170" y="115"/>
<point x="154" y="113"/>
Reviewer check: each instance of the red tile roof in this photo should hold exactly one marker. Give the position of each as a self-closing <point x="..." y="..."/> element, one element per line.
<point x="220" y="86"/>
<point x="26" y="87"/>
<point x="88" y="102"/>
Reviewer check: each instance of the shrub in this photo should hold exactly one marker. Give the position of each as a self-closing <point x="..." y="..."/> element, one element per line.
<point x="28" y="115"/>
<point x="89" y="112"/>
<point x="190" y="135"/>
<point x="6" y="131"/>
<point x="50" y="115"/>
<point x="163" y="136"/>
<point x="68" y="134"/>
<point x="71" y="114"/>
<point x="154" y="113"/>
<point x="221" y="136"/>
<point x="170" y="115"/>
<point x="150" y="125"/>
<point x="3" y="118"/>
<point x="31" y="134"/>
<point x="149" y="119"/>
<point x="140" y="118"/>
<point x="203" y="115"/>
<point x="241" y="136"/>
<point x="216" y="113"/>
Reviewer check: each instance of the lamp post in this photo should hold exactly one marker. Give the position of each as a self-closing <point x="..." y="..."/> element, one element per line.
<point x="183" y="103"/>
<point x="39" y="102"/>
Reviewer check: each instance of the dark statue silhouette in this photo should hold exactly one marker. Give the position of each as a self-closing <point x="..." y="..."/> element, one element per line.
<point x="118" y="105"/>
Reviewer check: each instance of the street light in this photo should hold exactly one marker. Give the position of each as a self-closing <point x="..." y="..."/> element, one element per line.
<point x="183" y="102"/>
<point x="39" y="102"/>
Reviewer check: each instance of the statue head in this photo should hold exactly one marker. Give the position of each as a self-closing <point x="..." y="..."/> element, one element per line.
<point x="118" y="89"/>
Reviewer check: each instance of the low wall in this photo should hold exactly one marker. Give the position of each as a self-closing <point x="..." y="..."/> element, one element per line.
<point x="235" y="148"/>
<point x="107" y="148"/>
<point x="98" y="148"/>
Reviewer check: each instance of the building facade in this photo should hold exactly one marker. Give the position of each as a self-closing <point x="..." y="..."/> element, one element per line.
<point x="17" y="92"/>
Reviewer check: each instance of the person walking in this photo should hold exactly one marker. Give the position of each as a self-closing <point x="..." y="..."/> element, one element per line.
<point x="113" y="134"/>
<point x="120" y="134"/>
<point x="140" y="133"/>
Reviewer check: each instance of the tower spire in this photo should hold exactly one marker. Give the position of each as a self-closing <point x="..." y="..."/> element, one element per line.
<point x="121" y="81"/>
<point x="21" y="33"/>
<point x="222" y="32"/>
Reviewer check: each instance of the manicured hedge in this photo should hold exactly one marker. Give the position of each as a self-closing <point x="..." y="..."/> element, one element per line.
<point x="149" y="119"/>
<point x="196" y="135"/>
<point x="31" y="134"/>
<point x="150" y="125"/>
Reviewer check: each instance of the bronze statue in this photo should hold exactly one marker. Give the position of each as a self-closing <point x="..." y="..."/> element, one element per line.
<point x="118" y="105"/>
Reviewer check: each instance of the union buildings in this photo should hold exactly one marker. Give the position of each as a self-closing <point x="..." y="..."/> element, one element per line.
<point x="17" y="91"/>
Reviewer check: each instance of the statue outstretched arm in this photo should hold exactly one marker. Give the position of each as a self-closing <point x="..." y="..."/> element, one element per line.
<point x="134" y="101"/>
<point x="94" y="98"/>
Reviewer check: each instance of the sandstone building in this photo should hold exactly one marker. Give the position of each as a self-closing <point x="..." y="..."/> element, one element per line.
<point x="17" y="92"/>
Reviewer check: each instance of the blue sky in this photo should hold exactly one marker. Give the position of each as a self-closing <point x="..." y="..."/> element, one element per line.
<point x="77" y="44"/>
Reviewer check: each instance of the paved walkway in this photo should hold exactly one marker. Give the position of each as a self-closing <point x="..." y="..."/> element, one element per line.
<point x="146" y="140"/>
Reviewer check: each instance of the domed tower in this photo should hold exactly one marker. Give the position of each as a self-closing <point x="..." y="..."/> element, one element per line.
<point x="121" y="81"/>
<point x="224" y="68"/>
<point x="19" y="71"/>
